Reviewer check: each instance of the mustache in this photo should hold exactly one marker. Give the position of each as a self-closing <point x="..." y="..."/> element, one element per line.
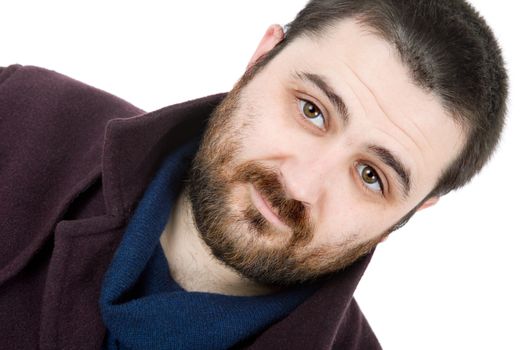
<point x="266" y="181"/>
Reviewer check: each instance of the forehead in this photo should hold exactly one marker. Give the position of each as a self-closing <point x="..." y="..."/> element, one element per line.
<point x="368" y="74"/>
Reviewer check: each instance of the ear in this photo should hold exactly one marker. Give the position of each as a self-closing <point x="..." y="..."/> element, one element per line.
<point x="429" y="202"/>
<point x="274" y="34"/>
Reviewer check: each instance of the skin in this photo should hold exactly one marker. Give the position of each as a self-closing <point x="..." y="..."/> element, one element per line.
<point x="321" y="161"/>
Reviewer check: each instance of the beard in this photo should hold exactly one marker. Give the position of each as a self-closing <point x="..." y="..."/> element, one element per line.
<point x="234" y="229"/>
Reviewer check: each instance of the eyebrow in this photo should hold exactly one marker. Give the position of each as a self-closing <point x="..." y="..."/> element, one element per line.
<point x="332" y="96"/>
<point x="402" y="172"/>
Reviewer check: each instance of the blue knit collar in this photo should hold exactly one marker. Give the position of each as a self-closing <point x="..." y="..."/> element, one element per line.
<point x="143" y="308"/>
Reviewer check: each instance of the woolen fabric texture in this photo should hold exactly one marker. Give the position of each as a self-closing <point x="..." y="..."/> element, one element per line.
<point x="74" y="163"/>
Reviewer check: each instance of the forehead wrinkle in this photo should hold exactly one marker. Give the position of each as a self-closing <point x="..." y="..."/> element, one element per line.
<point x="376" y="100"/>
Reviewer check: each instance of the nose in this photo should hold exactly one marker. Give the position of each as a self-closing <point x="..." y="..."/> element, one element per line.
<point x="308" y="179"/>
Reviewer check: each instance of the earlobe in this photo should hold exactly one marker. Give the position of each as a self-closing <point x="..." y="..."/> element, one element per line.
<point x="273" y="35"/>
<point x="428" y="203"/>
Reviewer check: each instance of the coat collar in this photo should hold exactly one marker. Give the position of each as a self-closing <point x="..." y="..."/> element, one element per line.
<point x="133" y="148"/>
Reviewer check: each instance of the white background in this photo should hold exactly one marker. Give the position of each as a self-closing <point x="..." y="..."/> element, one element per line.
<point x="453" y="278"/>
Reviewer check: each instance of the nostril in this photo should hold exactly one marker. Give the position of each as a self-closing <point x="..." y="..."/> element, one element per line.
<point x="305" y="181"/>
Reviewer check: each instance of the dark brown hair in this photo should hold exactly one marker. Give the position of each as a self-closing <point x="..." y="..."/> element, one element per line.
<point x="448" y="48"/>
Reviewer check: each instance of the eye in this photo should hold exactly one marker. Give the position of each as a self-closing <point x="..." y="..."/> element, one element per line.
<point x="370" y="177"/>
<point x="312" y="113"/>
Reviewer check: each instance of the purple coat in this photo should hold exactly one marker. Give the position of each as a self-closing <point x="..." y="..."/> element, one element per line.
<point x="74" y="162"/>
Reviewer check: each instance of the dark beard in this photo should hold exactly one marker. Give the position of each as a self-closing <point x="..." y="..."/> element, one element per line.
<point x="234" y="237"/>
<point x="245" y="240"/>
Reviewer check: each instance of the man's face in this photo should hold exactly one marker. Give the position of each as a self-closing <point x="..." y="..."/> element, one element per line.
<point x="307" y="166"/>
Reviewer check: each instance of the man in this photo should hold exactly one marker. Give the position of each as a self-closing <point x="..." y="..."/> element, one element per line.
<point x="245" y="220"/>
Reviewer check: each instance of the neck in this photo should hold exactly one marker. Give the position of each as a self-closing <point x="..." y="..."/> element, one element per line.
<point x="192" y="264"/>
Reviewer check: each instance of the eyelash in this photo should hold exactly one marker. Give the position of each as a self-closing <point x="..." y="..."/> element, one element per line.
<point x="302" y="117"/>
<point x="327" y="123"/>
<point x="379" y="179"/>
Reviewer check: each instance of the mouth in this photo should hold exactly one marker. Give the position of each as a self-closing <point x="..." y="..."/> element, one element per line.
<point x="266" y="209"/>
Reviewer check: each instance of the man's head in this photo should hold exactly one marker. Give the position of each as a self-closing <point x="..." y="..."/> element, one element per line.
<point x="366" y="112"/>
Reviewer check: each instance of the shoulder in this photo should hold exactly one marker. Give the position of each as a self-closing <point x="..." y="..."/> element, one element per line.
<point x="52" y="130"/>
<point x="41" y="107"/>
<point x="47" y="117"/>
<point x="43" y="88"/>
<point x="43" y="110"/>
<point x="52" y="124"/>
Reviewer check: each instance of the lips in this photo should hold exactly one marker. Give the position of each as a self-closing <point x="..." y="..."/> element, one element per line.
<point x="266" y="209"/>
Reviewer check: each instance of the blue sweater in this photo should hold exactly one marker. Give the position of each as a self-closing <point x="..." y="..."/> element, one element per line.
<point x="144" y="308"/>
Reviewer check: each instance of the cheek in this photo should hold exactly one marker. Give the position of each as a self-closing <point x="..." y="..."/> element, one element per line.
<point x="268" y="132"/>
<point x="341" y="225"/>
<point x="354" y="220"/>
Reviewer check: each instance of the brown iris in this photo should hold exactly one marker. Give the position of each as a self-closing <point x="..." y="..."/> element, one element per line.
<point x="369" y="175"/>
<point x="310" y="110"/>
